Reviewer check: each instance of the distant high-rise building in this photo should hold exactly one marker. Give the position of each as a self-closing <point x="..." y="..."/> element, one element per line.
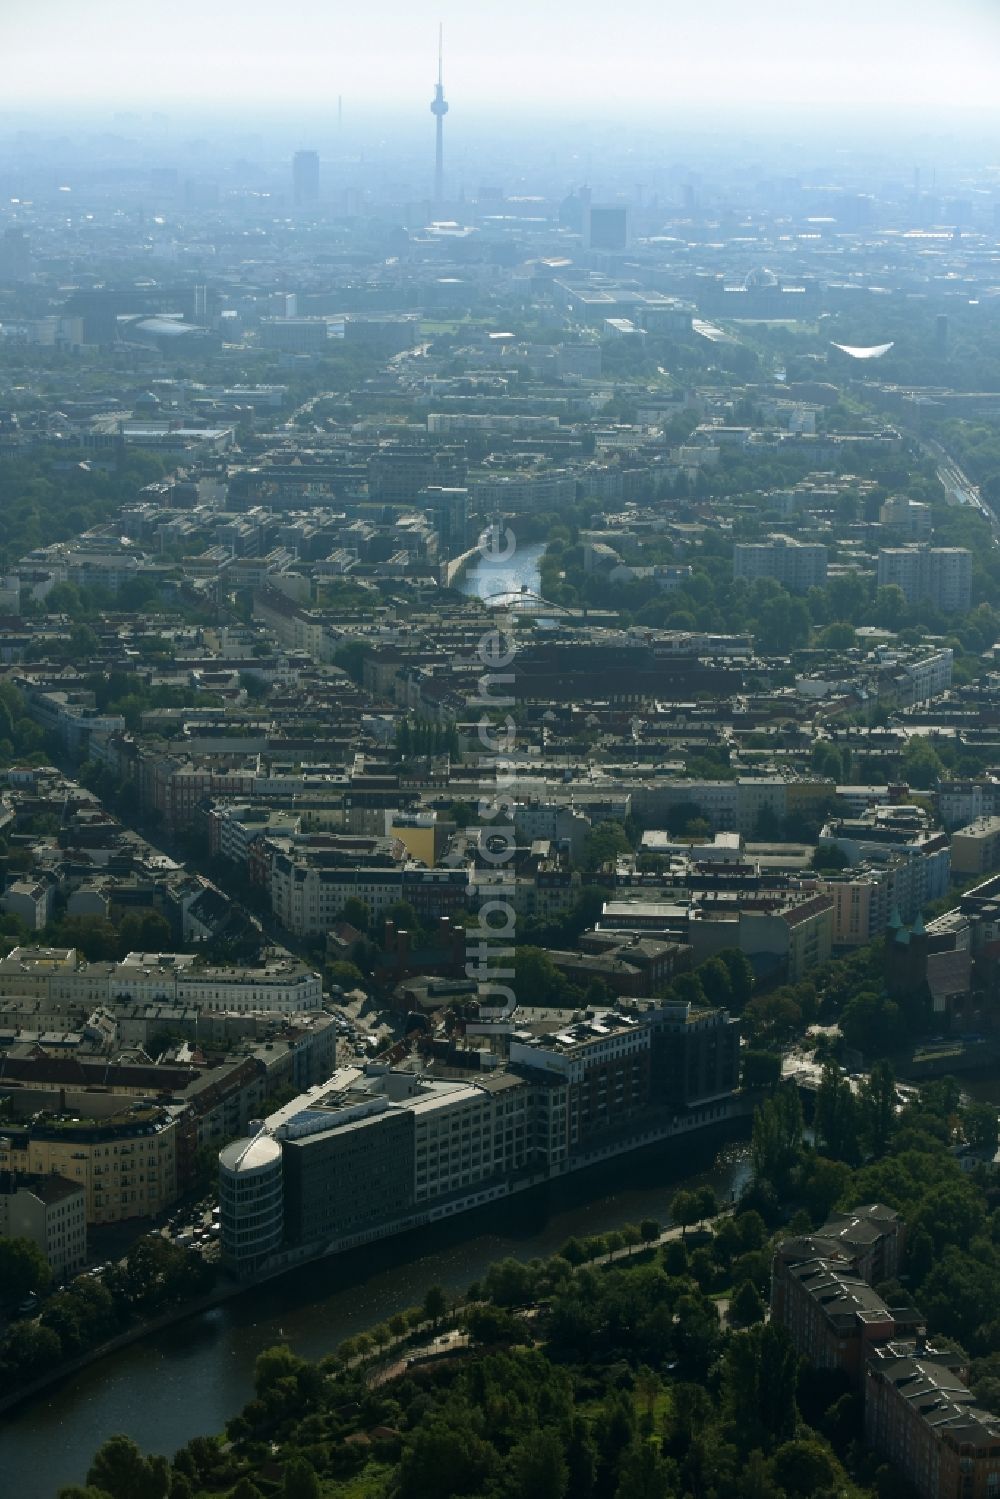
<point x="939" y="576"/>
<point x="305" y="177"/>
<point x="439" y="108"/>
<point x="15" y="255"/>
<point x="449" y="509"/>
<point x="799" y="565"/>
<point x="607" y="228"/>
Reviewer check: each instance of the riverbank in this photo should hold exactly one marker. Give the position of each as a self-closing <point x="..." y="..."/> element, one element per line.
<point x="122" y="1340"/>
<point x="451" y="573"/>
<point x="187" y="1378"/>
<point x="358" y="1245"/>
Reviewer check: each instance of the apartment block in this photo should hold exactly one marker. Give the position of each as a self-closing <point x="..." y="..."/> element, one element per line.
<point x="911" y="518"/>
<point x="832" y="1314"/>
<point x="51" y="1211"/>
<point x="921" y="1416"/>
<point x="126" y="1163"/>
<point x="939" y="576"/>
<point x="919" y="1413"/>
<point x="960" y="802"/>
<point x="975" y="849"/>
<point x="779" y="932"/>
<point x="798" y="565"/>
<point x="308" y="897"/>
<point x="278" y="985"/>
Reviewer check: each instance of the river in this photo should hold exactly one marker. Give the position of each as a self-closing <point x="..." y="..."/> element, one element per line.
<point x="482" y="578"/>
<point x="189" y="1379"/>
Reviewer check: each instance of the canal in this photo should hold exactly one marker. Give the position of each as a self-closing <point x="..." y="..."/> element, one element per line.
<point x="187" y="1380"/>
<point x="483" y="578"/>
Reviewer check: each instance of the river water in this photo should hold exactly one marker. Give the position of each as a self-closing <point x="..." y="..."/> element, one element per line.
<point x="483" y="578"/>
<point x="187" y="1380"/>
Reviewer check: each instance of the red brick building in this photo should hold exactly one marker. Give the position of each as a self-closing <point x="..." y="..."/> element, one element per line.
<point x="919" y="1413"/>
<point x="831" y="1313"/>
<point x="922" y="1417"/>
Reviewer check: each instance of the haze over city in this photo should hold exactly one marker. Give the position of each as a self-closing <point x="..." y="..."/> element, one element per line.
<point x="642" y="58"/>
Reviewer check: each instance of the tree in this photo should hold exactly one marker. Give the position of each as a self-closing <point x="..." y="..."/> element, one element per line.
<point x="675" y="1257"/>
<point x="747" y="1305"/>
<point x="822" y="1183"/>
<point x="581" y="1459"/>
<point x="776" y="1137"/>
<point x="493" y="1326"/>
<point x="537" y="979"/>
<point x="829" y="856"/>
<point x="345" y="975"/>
<point x="836" y="1118"/>
<point x="23" y="1269"/>
<point x="696" y="1334"/>
<point x="921" y="765"/>
<point x="871" y="1023"/>
<point x="804" y="1468"/>
<point x="300" y="1481"/>
<point x="604" y="844"/>
<point x="771" y="1018"/>
<point x="120" y="1468"/>
<point x="684" y="1210"/>
<point x="783" y="623"/>
<point x="95" y="937"/>
<point x="650" y="1230"/>
<point x="951" y="1213"/>
<point x="615" y="1432"/>
<point x="29" y="1349"/>
<point x="682" y="815"/>
<point x="877" y="1107"/>
<point x="956" y="1294"/>
<point x="708" y="1203"/>
<point x="716" y="982"/>
<point x="941" y="1096"/>
<point x="272" y="1366"/>
<point x="245" y="1489"/>
<point x="146" y="931"/>
<point x="890" y="607"/>
<point x="980" y="1127"/>
<point x="435" y="1304"/>
<point x="536" y="1467"/>
<point x="403" y="917"/>
<point x="631" y="1235"/>
<point x="644" y="1474"/>
<point x="442" y="1459"/>
<point x="758" y="1383"/>
<point x="741" y="977"/>
<point x="83" y="643"/>
<point x="761" y="1069"/>
<point x="356" y="913"/>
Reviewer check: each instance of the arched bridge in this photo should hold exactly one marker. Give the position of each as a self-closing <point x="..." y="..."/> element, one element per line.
<point x="525" y="601"/>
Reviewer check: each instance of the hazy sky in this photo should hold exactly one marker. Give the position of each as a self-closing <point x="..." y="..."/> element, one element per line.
<point x="595" y="58"/>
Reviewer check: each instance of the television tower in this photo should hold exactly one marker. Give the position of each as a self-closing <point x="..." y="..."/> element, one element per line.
<point x="439" y="108"/>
